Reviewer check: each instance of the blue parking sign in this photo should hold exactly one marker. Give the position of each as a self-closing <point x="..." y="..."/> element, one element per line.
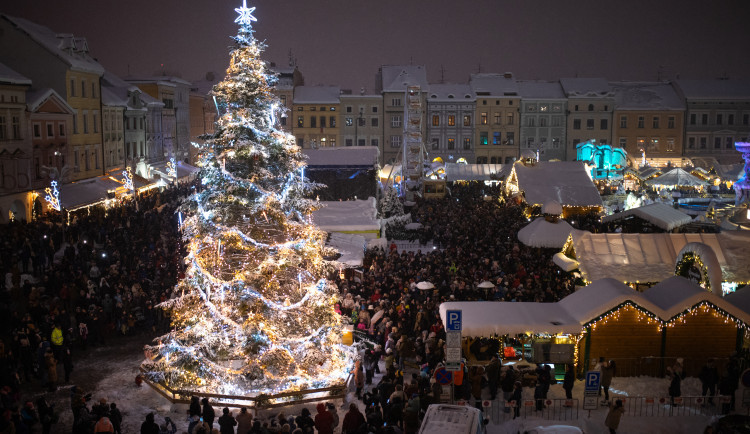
<point x="453" y="320"/>
<point x="593" y="379"/>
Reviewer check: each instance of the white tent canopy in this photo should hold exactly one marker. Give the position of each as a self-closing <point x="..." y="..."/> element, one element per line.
<point x="565" y="182"/>
<point x="658" y="214"/>
<point x="476" y="172"/>
<point x="676" y="177"/>
<point x="359" y="216"/>
<point x="541" y="233"/>
<point x="350" y="246"/>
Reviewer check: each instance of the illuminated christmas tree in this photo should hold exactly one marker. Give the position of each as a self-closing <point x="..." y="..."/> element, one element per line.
<point x="254" y="313"/>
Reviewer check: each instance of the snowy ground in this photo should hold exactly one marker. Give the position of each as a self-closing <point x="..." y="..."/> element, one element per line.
<point x="109" y="373"/>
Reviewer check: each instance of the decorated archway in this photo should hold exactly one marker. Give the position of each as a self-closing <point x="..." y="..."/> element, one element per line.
<point x="698" y="262"/>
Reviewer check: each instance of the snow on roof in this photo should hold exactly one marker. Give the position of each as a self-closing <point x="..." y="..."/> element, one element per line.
<point x="646" y="96"/>
<point x="36" y="97"/>
<point x="167" y="80"/>
<point x="345" y="156"/>
<point x="714" y="89"/>
<point x="652" y="257"/>
<point x="476" y="172"/>
<point x="676" y="176"/>
<point x="450" y="93"/>
<point x="350" y="246"/>
<point x="7" y="75"/>
<point x="564" y="181"/>
<point x="540" y="90"/>
<point x="316" y="94"/>
<point x="395" y="78"/>
<point x="648" y="171"/>
<point x="677" y="294"/>
<point x="72" y="50"/>
<point x="601" y="296"/>
<point x="730" y="171"/>
<point x="111" y="97"/>
<point x="487" y="318"/>
<point x="586" y="87"/>
<point x="541" y="233"/>
<point x="493" y="84"/>
<point x="659" y="214"/>
<point x="347" y="216"/>
<point x="740" y="298"/>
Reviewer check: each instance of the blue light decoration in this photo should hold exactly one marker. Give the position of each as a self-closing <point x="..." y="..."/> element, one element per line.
<point x="246" y="17"/>
<point x="53" y="196"/>
<point x="604" y="161"/>
<point x="172" y="168"/>
<point x="127" y="179"/>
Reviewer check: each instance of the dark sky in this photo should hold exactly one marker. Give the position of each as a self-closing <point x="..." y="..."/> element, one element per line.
<point x="342" y="42"/>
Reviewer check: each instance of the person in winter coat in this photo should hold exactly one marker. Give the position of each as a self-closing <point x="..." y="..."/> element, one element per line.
<point x="709" y="377"/>
<point x="493" y="376"/>
<point x="614" y="415"/>
<point x="149" y="426"/>
<point x="226" y="422"/>
<point x="352" y="420"/>
<point x="475" y="379"/>
<point x="104" y="425"/>
<point x="168" y="427"/>
<point x="46" y="413"/>
<point x="244" y="421"/>
<point x="195" y="406"/>
<point x="516" y="398"/>
<point x="569" y="381"/>
<point x="508" y="382"/>
<point x="51" y="364"/>
<point x="115" y="417"/>
<point x="323" y="420"/>
<point x="608" y="371"/>
<point x="208" y="413"/>
<point x="359" y="378"/>
<point x="675" y="376"/>
<point x="305" y="421"/>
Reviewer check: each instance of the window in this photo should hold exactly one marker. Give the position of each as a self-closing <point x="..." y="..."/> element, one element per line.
<point x="396" y="102"/>
<point x="745" y="119"/>
<point x="332" y="121"/>
<point x="704" y="119"/>
<point x="719" y="119"/>
<point x="555" y="142"/>
<point x="283" y="121"/>
<point x="332" y="109"/>
<point x="467" y="120"/>
<point x="483" y="118"/>
<point x="61" y="130"/>
<point x="374" y="142"/>
<point x="349" y="122"/>
<point x="576" y="141"/>
<point x="301" y="121"/>
<point x="50" y="129"/>
<point x="670" y="144"/>
<point x="435" y="120"/>
<point x="2" y="128"/>
<point x="591" y="107"/>
<point x="641" y="122"/>
<point x="529" y="142"/>
<point x="72" y="87"/>
<point x="498" y="118"/>
<point x="283" y="99"/>
<point x="348" y="109"/>
<point x="692" y="119"/>
<point x="96" y="159"/>
<point x="691" y="142"/>
<point x="589" y="124"/>
<point x="361" y="121"/>
<point x="483" y="138"/>
<point x="653" y="144"/>
<point x="717" y="142"/>
<point x="730" y="119"/>
<point x="509" y="118"/>
<point x="655" y="122"/>
<point x="510" y="138"/>
<point x="348" y="142"/>
<point x="703" y="142"/>
<point x="496" y="137"/>
<point x="557" y="121"/>
<point x="312" y="109"/>
<point x="300" y="142"/>
<point x="86" y="160"/>
<point x="576" y="107"/>
<point x="96" y="122"/>
<point x="623" y="142"/>
<point x="451" y="143"/>
<point x="322" y="122"/>
<point x="670" y="122"/>
<point x="37" y="130"/>
<point x="322" y="109"/>
<point x="16" y="127"/>
<point x="544" y="108"/>
<point x="395" y="121"/>
<point x="75" y="125"/>
<point x="395" y="141"/>
<point x="556" y="108"/>
<point x="641" y="143"/>
<point x="451" y="120"/>
<point x="435" y="144"/>
<point x="603" y="124"/>
<point x="467" y="143"/>
<point x="313" y="122"/>
<point x="93" y="92"/>
<point x="374" y="122"/>
<point x="530" y="121"/>
<point x="729" y="143"/>
<point x="83" y="92"/>
<point x="531" y="108"/>
<point x="576" y="124"/>
<point x="623" y="121"/>
<point x="299" y="109"/>
<point x="375" y="110"/>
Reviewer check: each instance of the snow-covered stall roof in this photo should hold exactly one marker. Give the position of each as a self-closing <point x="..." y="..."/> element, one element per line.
<point x="658" y="214"/>
<point x="601" y="296"/>
<point x="476" y="172"/>
<point x="652" y="257"/>
<point x="348" y="216"/>
<point x="541" y="233"/>
<point x="676" y="176"/>
<point x="487" y="318"/>
<point x="564" y="181"/>
<point x="350" y="246"/>
<point x="649" y="171"/>
<point x="354" y="156"/>
<point x="316" y="94"/>
<point x="7" y="75"/>
<point x="677" y="294"/>
<point x="740" y="298"/>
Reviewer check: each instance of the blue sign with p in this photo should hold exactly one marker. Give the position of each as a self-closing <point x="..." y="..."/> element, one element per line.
<point x="453" y="323"/>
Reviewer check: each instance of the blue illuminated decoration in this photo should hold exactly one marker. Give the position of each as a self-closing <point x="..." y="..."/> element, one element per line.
<point x="604" y="161"/>
<point x="127" y="180"/>
<point x="53" y="196"/>
<point x="172" y="168"/>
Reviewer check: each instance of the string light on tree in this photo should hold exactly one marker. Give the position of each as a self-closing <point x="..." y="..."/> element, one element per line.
<point x="255" y="313"/>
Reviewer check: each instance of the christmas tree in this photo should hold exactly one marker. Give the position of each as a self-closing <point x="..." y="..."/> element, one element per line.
<point x="254" y="313"/>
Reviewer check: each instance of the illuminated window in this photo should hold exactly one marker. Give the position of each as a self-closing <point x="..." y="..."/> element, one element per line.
<point x="483" y="138"/>
<point x="496" y="137"/>
<point x="300" y="121"/>
<point x="332" y="121"/>
<point x="435" y="120"/>
<point x="544" y="108"/>
<point x="670" y="144"/>
<point x="451" y="120"/>
<point x="467" y="120"/>
<point x="510" y="138"/>
<point x="467" y="143"/>
<point x="349" y="122"/>
<point x="483" y="118"/>
<point x="451" y="143"/>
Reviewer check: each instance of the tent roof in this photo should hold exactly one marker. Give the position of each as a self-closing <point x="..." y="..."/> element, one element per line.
<point x="350" y="215"/>
<point x="483" y="318"/>
<point x="355" y="156"/>
<point x="563" y="181"/>
<point x="676" y="176"/>
<point x="476" y="172"/>
<point x="676" y="294"/>
<point x="652" y="257"/>
<point x="659" y="214"/>
<point x="350" y="246"/>
<point x="541" y="233"/>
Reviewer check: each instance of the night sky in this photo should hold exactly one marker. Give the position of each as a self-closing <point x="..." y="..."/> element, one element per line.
<point x="342" y="42"/>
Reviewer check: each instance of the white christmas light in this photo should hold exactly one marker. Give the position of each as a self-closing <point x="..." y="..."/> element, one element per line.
<point x="53" y="196"/>
<point x="246" y="17"/>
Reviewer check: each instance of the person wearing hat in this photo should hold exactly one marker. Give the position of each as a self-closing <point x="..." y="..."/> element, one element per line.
<point x="614" y="415"/>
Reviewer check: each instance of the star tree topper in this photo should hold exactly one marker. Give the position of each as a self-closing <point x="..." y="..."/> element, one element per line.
<point x="246" y="14"/>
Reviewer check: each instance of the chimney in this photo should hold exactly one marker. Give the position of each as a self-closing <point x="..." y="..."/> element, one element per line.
<point x="67" y="42"/>
<point x="81" y="46"/>
<point x="508" y="75"/>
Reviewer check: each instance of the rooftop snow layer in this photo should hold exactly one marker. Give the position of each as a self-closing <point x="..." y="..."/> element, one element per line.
<point x="646" y="96"/>
<point x="563" y="181"/>
<point x="586" y="87"/>
<point x="346" y="156"/>
<point x="659" y="214"/>
<point x="10" y="76"/>
<point x="316" y="94"/>
<point x="395" y="78"/>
